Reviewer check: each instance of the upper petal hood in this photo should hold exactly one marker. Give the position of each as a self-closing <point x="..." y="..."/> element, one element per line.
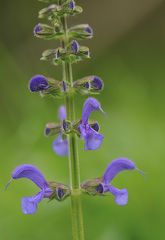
<point x="117" y="166"/>
<point x="30" y="172"/>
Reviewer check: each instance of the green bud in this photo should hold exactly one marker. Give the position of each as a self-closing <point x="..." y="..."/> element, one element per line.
<point x="92" y="187"/>
<point x="82" y="31"/>
<point x="89" y="85"/>
<point x="54" y="89"/>
<point x="60" y="191"/>
<point x="49" y="11"/>
<point x="53" y="55"/>
<point x="52" y="129"/>
<point x="45" y="31"/>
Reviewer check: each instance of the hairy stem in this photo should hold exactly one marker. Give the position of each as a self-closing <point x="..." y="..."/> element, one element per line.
<point x="74" y="168"/>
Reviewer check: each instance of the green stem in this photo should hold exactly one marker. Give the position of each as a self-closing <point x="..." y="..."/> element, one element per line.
<point x="74" y="168"/>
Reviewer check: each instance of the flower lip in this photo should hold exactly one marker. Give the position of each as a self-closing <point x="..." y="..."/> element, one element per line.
<point x="38" y="83"/>
<point x="60" y="146"/>
<point x="62" y="113"/>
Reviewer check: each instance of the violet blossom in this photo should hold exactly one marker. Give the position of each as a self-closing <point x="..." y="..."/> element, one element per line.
<point x="30" y="204"/>
<point x="60" y="144"/>
<point x="101" y="186"/>
<point x="91" y="136"/>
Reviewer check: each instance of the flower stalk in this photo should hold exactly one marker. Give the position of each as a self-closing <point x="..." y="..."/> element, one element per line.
<point x="73" y="157"/>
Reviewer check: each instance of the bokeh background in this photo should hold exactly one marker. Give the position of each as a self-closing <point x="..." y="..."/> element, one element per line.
<point x="128" y="52"/>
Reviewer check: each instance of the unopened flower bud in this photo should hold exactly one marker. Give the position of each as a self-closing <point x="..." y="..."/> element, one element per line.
<point x="93" y="187"/>
<point x="52" y="129"/>
<point x="47" y="32"/>
<point x="45" y="86"/>
<point x="38" y="83"/>
<point x="89" y="84"/>
<point x="48" y="12"/>
<point x="60" y="191"/>
<point x="82" y="31"/>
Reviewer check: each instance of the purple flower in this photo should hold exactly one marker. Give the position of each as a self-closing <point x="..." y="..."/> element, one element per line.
<point x="38" y="83"/>
<point x="60" y="144"/>
<point x="100" y="186"/>
<point x="29" y="204"/>
<point x="92" y="138"/>
<point x="115" y="167"/>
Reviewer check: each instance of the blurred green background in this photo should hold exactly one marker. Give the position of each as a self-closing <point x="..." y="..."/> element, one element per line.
<point x="128" y="52"/>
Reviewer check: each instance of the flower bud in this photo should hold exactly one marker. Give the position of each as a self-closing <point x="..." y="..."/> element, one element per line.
<point x="38" y="83"/>
<point x="93" y="187"/>
<point x="45" y="86"/>
<point x="82" y="31"/>
<point x="60" y="191"/>
<point x="89" y="84"/>
<point x="48" y="12"/>
<point x="53" y="55"/>
<point x="52" y="129"/>
<point x="45" y="31"/>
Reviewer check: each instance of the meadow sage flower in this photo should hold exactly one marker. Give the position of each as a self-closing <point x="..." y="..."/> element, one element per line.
<point x="60" y="144"/>
<point x="91" y="136"/>
<point x="29" y="204"/>
<point x="50" y="190"/>
<point x="100" y="186"/>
